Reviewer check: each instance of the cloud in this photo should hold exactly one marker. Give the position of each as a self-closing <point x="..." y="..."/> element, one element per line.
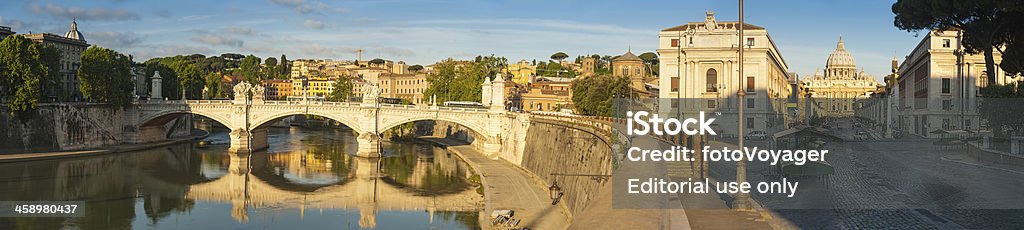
<point x="314" y="24"/>
<point x="98" y="14"/>
<point x="241" y="30"/>
<point x="161" y="50"/>
<point x="113" y="39"/>
<point x="537" y="24"/>
<point x="394" y="51"/>
<point x="308" y="7"/>
<point x="217" y="40"/>
<point x="164" y="13"/>
<point x="14" y="24"/>
<point x="317" y="50"/>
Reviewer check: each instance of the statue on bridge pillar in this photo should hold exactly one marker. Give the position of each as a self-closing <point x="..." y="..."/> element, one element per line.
<point x="370" y="93"/>
<point x="242" y="89"/>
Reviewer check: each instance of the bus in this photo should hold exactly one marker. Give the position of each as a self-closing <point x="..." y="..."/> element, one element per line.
<point x="463" y="104"/>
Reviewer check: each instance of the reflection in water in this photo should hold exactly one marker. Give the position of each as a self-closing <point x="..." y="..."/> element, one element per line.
<point x="306" y="178"/>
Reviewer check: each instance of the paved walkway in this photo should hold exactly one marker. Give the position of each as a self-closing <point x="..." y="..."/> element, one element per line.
<point x="508" y="187"/>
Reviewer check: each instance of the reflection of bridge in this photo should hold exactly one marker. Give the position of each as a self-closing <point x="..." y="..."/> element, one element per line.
<point x="248" y="119"/>
<point x="364" y="192"/>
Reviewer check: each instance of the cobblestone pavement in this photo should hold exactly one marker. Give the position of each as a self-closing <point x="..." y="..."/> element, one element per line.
<point x="895" y="185"/>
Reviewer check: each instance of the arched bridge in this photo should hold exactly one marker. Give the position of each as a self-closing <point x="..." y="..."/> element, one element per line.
<point x="249" y="118"/>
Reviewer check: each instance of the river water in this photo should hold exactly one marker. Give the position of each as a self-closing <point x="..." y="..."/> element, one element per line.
<point x="307" y="179"/>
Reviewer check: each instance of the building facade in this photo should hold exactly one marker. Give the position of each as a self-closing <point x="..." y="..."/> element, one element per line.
<point x="5" y="31"/>
<point x="547" y="94"/>
<point x="933" y="91"/>
<point x="71" y="46"/>
<point x="278" y="89"/>
<point x="699" y="62"/>
<point x="521" y="71"/>
<point x="841" y="86"/>
<point x="408" y="87"/>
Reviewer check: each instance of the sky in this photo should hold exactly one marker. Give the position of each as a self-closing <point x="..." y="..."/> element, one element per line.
<point x="426" y="31"/>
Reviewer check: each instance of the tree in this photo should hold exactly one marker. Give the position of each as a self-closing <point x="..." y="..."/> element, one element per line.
<point x="595" y="95"/>
<point x="271" y="68"/>
<point x="650" y="61"/>
<point x="285" y="67"/>
<point x="377" y="61"/>
<point x="250" y="68"/>
<point x="451" y="82"/>
<point x="213" y="89"/>
<point x="168" y="82"/>
<point x="22" y="72"/>
<point x="415" y="68"/>
<point x="342" y="89"/>
<point x="105" y="76"/>
<point x="559" y="56"/>
<point x="985" y="24"/>
<point x="189" y="79"/>
<point x="50" y="56"/>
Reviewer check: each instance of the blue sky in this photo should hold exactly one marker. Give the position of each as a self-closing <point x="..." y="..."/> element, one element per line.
<point x="425" y="31"/>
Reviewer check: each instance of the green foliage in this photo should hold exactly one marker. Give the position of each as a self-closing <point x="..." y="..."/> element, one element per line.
<point x="250" y="69"/>
<point x="169" y="85"/>
<point x="50" y="56"/>
<point x="377" y="61"/>
<point x="594" y="95"/>
<point x="454" y="81"/>
<point x="105" y="76"/>
<point x="284" y="67"/>
<point x="213" y="87"/>
<point x="559" y="56"/>
<point x="986" y="24"/>
<point x="555" y="69"/>
<point x="416" y="68"/>
<point x="1001" y="107"/>
<point x="23" y="71"/>
<point x="342" y="89"/>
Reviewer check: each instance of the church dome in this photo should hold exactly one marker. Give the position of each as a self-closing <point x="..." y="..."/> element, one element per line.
<point x="840" y="58"/>
<point x="73" y="33"/>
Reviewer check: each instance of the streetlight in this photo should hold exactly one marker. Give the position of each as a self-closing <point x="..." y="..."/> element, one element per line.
<point x="555" y="192"/>
<point x="742" y="200"/>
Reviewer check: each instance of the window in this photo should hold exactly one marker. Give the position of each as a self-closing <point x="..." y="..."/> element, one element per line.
<point x="675" y="42"/>
<point x="712" y="80"/>
<point x="945" y="85"/>
<point x="967" y="124"/>
<point x="675" y="84"/>
<point x="750" y="123"/>
<point x="750" y="103"/>
<point x="750" y="42"/>
<point x="945" y="123"/>
<point x="750" y="84"/>
<point x="983" y="79"/>
<point x="945" y="43"/>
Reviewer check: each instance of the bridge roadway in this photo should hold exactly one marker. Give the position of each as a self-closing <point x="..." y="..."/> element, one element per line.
<point x="248" y="120"/>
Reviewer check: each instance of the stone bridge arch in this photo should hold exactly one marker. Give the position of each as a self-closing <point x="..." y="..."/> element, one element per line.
<point x="263" y="120"/>
<point x="161" y="117"/>
<point x="476" y="127"/>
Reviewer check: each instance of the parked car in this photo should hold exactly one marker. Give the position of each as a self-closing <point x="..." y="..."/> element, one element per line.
<point x="861" y="135"/>
<point x="756" y="134"/>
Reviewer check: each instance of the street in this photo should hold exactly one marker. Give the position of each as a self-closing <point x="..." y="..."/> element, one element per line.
<point x="902" y="183"/>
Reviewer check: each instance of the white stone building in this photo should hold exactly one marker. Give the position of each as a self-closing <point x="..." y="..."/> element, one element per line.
<point x="699" y="64"/>
<point x="933" y="92"/>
